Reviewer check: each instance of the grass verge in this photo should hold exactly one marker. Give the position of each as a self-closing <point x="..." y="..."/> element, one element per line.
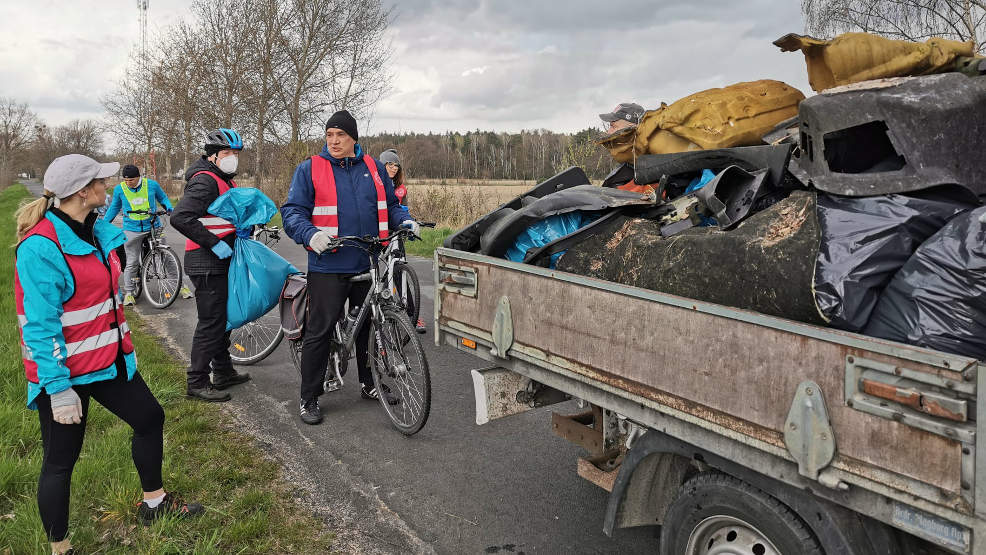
<point x="431" y="239"/>
<point x="248" y="508"/>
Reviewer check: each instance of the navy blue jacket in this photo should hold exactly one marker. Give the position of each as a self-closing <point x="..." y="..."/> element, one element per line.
<point x="356" y="196"/>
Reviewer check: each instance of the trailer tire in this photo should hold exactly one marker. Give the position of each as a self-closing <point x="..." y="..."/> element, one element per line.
<point x="714" y="508"/>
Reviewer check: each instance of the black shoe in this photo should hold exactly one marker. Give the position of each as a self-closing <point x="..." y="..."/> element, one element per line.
<point x="172" y="505"/>
<point x="370" y="392"/>
<point x="208" y="393"/>
<point x="222" y="381"/>
<point x="310" y="412"/>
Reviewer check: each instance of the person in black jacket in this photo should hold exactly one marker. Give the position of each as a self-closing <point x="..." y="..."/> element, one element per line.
<point x="207" y="252"/>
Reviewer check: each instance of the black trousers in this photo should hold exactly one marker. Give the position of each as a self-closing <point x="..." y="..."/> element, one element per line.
<point x="133" y="403"/>
<point x="210" y="344"/>
<point x="327" y="294"/>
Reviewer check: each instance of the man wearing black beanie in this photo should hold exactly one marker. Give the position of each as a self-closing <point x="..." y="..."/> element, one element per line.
<point x="340" y="191"/>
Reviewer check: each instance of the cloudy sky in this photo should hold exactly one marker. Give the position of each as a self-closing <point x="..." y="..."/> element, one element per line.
<point x="458" y="64"/>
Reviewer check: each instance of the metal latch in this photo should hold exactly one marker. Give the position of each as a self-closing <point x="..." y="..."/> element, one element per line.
<point x="807" y="433"/>
<point x="918" y="399"/>
<point x="924" y="401"/>
<point x="458" y="279"/>
<point x="503" y="329"/>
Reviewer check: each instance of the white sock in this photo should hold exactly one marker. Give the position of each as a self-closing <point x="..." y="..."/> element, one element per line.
<point x="153" y="503"/>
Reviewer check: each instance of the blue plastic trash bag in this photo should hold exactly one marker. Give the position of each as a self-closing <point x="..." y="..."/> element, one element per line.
<point x="256" y="273"/>
<point x="545" y="231"/>
<point x="700" y="181"/>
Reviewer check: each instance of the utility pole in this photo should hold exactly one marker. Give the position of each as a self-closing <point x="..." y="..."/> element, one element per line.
<point x="144" y="85"/>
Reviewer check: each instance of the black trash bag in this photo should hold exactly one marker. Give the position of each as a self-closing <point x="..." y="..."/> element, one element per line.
<point x="467" y="238"/>
<point x="866" y="240"/>
<point x="938" y="299"/>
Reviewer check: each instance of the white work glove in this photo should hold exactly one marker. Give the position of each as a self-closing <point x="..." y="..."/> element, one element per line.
<point x="66" y="407"/>
<point x="320" y="241"/>
<point x="413" y="226"/>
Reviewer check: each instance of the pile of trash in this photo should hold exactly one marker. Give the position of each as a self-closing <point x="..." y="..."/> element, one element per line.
<point x="857" y="208"/>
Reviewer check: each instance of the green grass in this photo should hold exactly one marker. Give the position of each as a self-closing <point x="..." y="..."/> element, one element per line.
<point x="248" y="507"/>
<point x="431" y="239"/>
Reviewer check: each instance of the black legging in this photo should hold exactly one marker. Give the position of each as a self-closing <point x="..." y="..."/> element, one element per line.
<point x="133" y="403"/>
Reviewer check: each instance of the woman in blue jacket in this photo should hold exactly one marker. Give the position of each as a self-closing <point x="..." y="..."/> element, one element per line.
<point x="75" y="341"/>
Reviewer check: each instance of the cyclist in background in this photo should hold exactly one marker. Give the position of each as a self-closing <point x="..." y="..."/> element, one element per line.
<point x="135" y="193"/>
<point x="207" y="257"/>
<point x="392" y="163"/>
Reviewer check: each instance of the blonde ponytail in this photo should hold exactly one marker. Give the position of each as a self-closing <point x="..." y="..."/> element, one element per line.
<point x="31" y="212"/>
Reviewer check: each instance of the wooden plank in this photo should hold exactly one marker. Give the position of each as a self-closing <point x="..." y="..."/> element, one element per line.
<point x="736" y="373"/>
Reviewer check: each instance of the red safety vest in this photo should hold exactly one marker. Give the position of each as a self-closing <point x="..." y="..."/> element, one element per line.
<point x="218" y="226"/>
<point x="325" y="213"/>
<point x="93" y="323"/>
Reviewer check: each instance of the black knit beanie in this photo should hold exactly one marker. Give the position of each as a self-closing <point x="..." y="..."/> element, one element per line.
<point x="130" y="170"/>
<point x="345" y="121"/>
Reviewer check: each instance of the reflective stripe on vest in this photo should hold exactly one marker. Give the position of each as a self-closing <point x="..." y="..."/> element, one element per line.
<point x="325" y="213"/>
<point x="216" y="225"/>
<point x="138" y="200"/>
<point x="93" y="324"/>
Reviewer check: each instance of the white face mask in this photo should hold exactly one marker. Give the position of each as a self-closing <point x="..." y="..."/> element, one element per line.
<point x="229" y="163"/>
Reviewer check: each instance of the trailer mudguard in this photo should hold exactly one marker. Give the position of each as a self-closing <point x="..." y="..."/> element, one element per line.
<point x="839" y="530"/>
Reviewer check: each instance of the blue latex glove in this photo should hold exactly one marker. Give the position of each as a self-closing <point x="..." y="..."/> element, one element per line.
<point x="222" y="250"/>
<point x="244" y="233"/>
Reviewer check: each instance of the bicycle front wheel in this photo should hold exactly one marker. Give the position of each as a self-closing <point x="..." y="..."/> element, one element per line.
<point x="408" y="290"/>
<point x="252" y="342"/>
<point x="160" y="277"/>
<point x="399" y="365"/>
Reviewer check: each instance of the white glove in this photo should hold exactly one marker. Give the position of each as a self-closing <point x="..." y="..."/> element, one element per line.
<point x="66" y="407"/>
<point x="413" y="226"/>
<point x="319" y="242"/>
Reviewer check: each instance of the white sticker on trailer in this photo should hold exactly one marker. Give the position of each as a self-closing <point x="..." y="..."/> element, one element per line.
<point x="931" y="527"/>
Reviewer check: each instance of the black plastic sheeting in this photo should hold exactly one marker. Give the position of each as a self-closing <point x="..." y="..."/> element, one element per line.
<point x="938" y="299"/>
<point x="467" y="239"/>
<point x="587" y="198"/>
<point x="650" y="168"/>
<point x="866" y="240"/>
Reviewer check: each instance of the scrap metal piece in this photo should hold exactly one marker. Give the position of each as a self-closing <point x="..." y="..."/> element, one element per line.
<point x="503" y="329"/>
<point x="808" y="434"/>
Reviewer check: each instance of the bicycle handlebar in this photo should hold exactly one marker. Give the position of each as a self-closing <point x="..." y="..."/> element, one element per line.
<point x="149" y="213"/>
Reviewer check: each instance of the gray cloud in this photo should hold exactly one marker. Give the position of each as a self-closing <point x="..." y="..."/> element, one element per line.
<point x="541" y="64"/>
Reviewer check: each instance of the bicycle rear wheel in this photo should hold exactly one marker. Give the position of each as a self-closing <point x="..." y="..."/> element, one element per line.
<point x="398" y="363"/>
<point x="160" y="277"/>
<point x="408" y="290"/>
<point x="254" y="341"/>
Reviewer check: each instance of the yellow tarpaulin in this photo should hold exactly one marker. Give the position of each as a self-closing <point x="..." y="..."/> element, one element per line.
<point x="854" y="57"/>
<point x="737" y="115"/>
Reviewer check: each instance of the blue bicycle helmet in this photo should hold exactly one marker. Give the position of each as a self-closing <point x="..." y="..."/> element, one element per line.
<point x="222" y="139"/>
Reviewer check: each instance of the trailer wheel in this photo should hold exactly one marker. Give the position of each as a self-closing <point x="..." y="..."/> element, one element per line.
<point x="716" y="514"/>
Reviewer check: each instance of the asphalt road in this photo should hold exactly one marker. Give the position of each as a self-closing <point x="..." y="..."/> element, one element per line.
<point x="506" y="487"/>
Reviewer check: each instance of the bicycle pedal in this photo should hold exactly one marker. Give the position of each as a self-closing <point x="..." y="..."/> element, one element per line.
<point x="331" y="385"/>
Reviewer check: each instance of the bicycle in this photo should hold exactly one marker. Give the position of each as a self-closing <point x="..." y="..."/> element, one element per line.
<point x="404" y="283"/>
<point x="254" y="341"/>
<point x="397" y="359"/>
<point x="159" y="275"/>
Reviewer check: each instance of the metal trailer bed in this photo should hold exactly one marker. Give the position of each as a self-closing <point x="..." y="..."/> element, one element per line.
<point x="884" y="429"/>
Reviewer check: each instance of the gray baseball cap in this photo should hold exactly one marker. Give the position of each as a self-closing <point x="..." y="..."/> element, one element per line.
<point x="68" y="174"/>
<point x="390" y="156"/>
<point x="625" y="110"/>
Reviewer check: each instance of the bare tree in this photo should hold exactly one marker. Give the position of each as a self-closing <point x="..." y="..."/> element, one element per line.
<point x="915" y="20"/>
<point x="16" y="127"/>
<point x="80" y="137"/>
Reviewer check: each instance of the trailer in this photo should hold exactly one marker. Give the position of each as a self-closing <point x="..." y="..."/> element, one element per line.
<point x="735" y="431"/>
